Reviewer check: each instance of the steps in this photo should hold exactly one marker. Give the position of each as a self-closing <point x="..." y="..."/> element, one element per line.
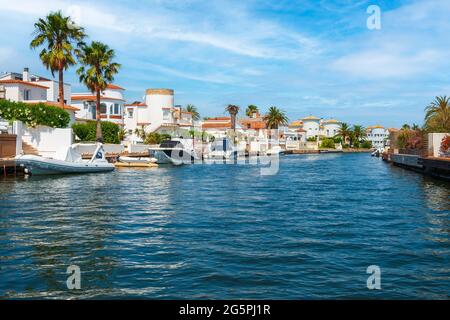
<point x="28" y="149"/>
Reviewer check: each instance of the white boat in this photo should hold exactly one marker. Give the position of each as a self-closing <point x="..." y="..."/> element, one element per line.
<point x="222" y="149"/>
<point x="68" y="161"/>
<point x="137" y="159"/>
<point x="175" y="151"/>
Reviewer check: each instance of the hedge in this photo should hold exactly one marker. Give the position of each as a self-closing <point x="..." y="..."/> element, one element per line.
<point x="327" y="143"/>
<point x="86" y="131"/>
<point x="33" y="115"/>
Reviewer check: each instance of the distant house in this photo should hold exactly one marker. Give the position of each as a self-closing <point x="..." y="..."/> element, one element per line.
<point x="217" y="127"/>
<point x="316" y="127"/>
<point x="157" y="113"/>
<point x="34" y="89"/>
<point x="111" y="105"/>
<point x="378" y="135"/>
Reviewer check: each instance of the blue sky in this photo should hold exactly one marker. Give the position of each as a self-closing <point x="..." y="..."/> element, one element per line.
<point x="306" y="56"/>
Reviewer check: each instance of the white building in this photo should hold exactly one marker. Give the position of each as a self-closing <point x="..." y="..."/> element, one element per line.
<point x="330" y="128"/>
<point x="157" y="113"/>
<point x="217" y="127"/>
<point x="317" y="127"/>
<point x="377" y="135"/>
<point x="34" y="89"/>
<point x="111" y="105"/>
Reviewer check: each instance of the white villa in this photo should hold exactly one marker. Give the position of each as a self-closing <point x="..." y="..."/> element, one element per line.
<point x="317" y="127"/>
<point x="377" y="135"/>
<point x="34" y="89"/>
<point x="111" y="105"/>
<point x="157" y="113"/>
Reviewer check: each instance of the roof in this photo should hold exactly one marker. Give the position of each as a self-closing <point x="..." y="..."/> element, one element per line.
<point x="92" y="97"/>
<point x="168" y="92"/>
<point x="135" y="104"/>
<point x="375" y="127"/>
<point x="26" y="83"/>
<point x="219" y="118"/>
<point x="296" y="123"/>
<point x="311" y="118"/>
<point x="216" y="125"/>
<point x="114" y="87"/>
<point x="54" y="104"/>
<point x="331" y="121"/>
<point x="300" y="130"/>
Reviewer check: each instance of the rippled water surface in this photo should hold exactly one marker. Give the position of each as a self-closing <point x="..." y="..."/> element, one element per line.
<point x="225" y="231"/>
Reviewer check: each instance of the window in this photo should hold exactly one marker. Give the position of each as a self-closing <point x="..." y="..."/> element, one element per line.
<point x="166" y="114"/>
<point x="116" y="109"/>
<point x="103" y="108"/>
<point x="130" y="113"/>
<point x="111" y="109"/>
<point x="26" y="94"/>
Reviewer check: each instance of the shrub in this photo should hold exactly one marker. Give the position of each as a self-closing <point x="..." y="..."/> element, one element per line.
<point x="156" y="138"/>
<point x="312" y="139"/>
<point x="337" y="139"/>
<point x="327" y="143"/>
<point x="33" y="115"/>
<point x="445" y="144"/>
<point x="86" y="131"/>
<point x="366" y="144"/>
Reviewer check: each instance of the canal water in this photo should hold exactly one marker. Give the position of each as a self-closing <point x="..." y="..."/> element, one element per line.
<point x="225" y="231"/>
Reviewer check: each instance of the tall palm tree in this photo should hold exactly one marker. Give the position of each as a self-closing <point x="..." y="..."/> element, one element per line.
<point x="344" y="131"/>
<point x="96" y="72"/>
<point x="193" y="110"/>
<point x="437" y="116"/>
<point x="415" y="127"/>
<point x="233" y="110"/>
<point x="406" y="127"/>
<point x="250" y="110"/>
<point x="275" y="118"/>
<point x="359" y="132"/>
<point x="59" y="36"/>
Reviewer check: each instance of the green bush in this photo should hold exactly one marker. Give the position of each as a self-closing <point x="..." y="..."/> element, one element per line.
<point x="33" y="115"/>
<point x="312" y="139"/>
<point x="337" y="139"/>
<point x="86" y="132"/>
<point x="366" y="144"/>
<point x="327" y="143"/>
<point x="156" y="138"/>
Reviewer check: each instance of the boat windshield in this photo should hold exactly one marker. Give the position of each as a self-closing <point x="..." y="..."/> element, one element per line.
<point x="221" y="145"/>
<point x="170" y="144"/>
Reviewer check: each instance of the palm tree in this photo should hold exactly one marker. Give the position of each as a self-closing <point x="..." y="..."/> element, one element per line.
<point x="275" y="118"/>
<point x="359" y="132"/>
<point x="58" y="35"/>
<point x="96" y="72"/>
<point x="437" y="117"/>
<point x="406" y="127"/>
<point x="233" y="110"/>
<point x="415" y="127"/>
<point x="250" y="110"/>
<point x="193" y="110"/>
<point x="344" y="131"/>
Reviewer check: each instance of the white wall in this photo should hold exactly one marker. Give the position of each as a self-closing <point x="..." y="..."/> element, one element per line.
<point x="312" y="127"/>
<point x="434" y="143"/>
<point x="47" y="140"/>
<point x="333" y="129"/>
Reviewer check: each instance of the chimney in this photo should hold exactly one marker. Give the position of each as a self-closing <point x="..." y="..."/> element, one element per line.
<point x="26" y="75"/>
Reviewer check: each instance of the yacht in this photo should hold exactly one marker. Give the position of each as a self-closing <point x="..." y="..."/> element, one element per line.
<point x="222" y="149"/>
<point x="175" y="152"/>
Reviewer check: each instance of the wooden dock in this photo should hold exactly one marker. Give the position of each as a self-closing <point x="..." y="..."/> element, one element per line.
<point x="8" y="167"/>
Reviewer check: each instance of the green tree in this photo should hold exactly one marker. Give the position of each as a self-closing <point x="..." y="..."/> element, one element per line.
<point x="233" y="110"/>
<point x="96" y="72"/>
<point x="250" y="110"/>
<point x="359" y="132"/>
<point x="275" y="118"/>
<point x="344" y="132"/>
<point x="193" y="110"/>
<point x="59" y="36"/>
<point x="437" y="116"/>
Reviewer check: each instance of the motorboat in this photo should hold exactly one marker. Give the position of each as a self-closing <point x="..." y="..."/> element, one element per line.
<point x="377" y="152"/>
<point x="175" y="152"/>
<point x="65" y="162"/>
<point x="222" y="149"/>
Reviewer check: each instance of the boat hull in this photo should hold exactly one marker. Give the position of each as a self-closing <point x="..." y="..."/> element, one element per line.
<point x="51" y="167"/>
